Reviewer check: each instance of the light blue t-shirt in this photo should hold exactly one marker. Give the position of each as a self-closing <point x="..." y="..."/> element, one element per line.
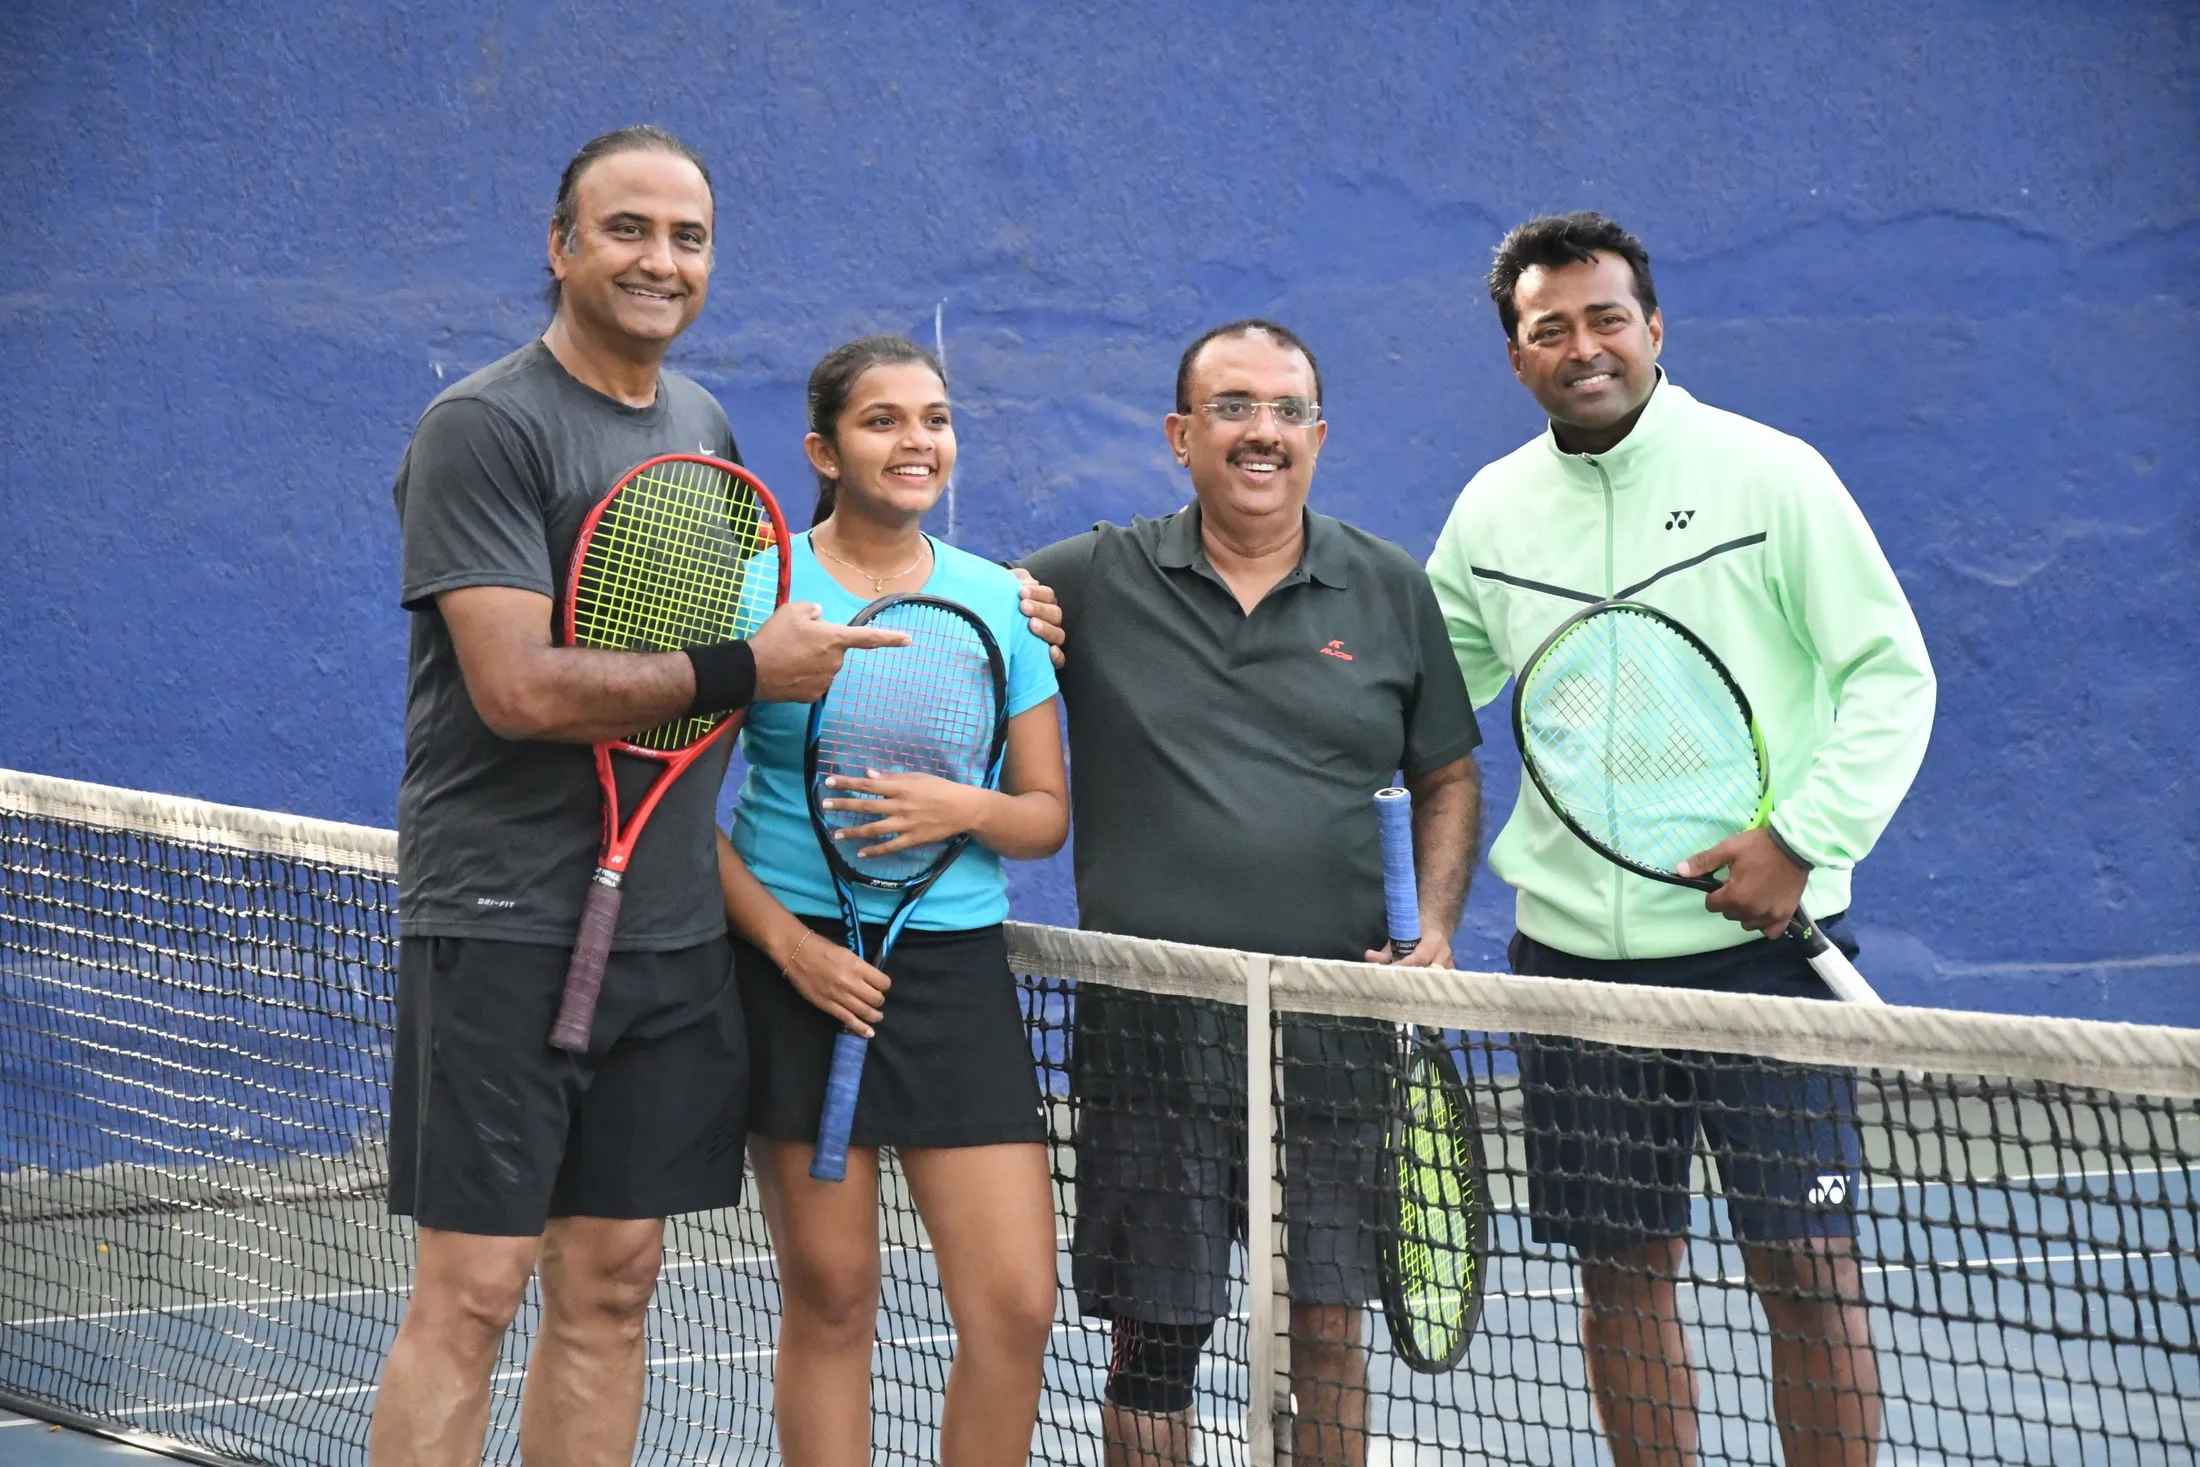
<point x="771" y="825"/>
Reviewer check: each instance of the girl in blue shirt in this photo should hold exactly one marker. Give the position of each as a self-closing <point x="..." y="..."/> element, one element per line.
<point x="949" y="1082"/>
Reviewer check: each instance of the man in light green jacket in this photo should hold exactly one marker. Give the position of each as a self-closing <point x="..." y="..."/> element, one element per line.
<point x="1747" y="537"/>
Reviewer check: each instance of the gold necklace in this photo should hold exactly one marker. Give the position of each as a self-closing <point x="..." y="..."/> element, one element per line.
<point x="878" y="583"/>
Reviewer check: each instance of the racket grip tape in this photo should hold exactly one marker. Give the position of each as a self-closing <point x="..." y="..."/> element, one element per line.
<point x="829" y="1159"/>
<point x="1401" y="894"/>
<point x="1830" y="963"/>
<point x="584" y="975"/>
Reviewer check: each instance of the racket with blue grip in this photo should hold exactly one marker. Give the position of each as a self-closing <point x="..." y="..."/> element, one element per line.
<point x="1401" y="893"/>
<point x="1437" y="1223"/>
<point x="938" y="706"/>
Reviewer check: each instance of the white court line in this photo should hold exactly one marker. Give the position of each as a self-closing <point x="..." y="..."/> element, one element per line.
<point x="749" y="1260"/>
<point x="324" y="1393"/>
<point x="948" y="1337"/>
<point x="684" y="1265"/>
<point x="163" y="1310"/>
<point x="518" y="1372"/>
<point x="1060" y="1240"/>
<point x="1972" y="1265"/>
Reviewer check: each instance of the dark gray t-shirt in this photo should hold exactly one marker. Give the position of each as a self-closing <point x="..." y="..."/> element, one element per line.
<point x="498" y="837"/>
<point x="1224" y="765"/>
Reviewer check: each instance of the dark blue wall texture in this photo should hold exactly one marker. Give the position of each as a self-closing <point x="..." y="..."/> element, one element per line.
<point x="1953" y="245"/>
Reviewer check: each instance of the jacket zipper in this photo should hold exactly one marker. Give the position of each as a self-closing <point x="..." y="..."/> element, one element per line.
<point x="1611" y="582"/>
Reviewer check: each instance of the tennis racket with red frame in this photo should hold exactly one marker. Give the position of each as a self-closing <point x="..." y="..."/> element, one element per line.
<point x="683" y="552"/>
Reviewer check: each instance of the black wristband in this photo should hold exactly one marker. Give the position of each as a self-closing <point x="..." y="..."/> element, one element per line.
<point x="725" y="678"/>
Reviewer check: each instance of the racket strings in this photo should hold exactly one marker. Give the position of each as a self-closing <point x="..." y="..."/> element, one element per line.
<point x="684" y="556"/>
<point x="1640" y="741"/>
<point x="932" y="707"/>
<point x="1441" y="1217"/>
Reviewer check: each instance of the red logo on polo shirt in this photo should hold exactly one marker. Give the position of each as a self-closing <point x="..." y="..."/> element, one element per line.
<point x="1336" y="649"/>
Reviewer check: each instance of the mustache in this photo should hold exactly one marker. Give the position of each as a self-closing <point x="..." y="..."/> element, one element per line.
<point x="1271" y="452"/>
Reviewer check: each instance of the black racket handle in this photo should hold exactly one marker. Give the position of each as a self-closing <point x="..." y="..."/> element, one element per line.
<point x="584" y="976"/>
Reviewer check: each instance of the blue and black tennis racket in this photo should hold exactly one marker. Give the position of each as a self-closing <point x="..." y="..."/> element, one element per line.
<point x="1437" y="1231"/>
<point x="938" y="706"/>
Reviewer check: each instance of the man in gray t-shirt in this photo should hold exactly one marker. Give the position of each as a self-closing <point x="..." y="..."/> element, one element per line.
<point x="498" y="836"/>
<point x="510" y="1154"/>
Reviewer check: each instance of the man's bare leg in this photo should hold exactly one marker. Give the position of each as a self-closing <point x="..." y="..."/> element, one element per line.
<point x="1825" y="1371"/>
<point x="1639" y="1370"/>
<point x="1145" y="1438"/>
<point x="432" y="1409"/>
<point x="583" y="1403"/>
<point x="1329" y="1381"/>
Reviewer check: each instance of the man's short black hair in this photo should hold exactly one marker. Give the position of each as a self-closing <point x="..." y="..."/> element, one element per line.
<point x="1283" y="336"/>
<point x="1552" y="240"/>
<point x="565" y="218"/>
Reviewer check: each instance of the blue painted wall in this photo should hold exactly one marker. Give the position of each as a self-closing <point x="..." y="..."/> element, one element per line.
<point x="1953" y="245"/>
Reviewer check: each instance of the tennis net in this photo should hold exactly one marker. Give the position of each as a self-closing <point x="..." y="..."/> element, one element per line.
<point x="198" y="1003"/>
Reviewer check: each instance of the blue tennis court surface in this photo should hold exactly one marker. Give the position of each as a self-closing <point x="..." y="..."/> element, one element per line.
<point x="35" y="1443"/>
<point x="2099" y="1348"/>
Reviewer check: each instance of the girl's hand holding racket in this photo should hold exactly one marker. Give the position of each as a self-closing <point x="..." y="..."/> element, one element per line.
<point x="834" y="979"/>
<point x="906" y="809"/>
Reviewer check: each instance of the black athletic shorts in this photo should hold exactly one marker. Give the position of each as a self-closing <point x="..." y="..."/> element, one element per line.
<point x="492" y="1131"/>
<point x="949" y="1065"/>
<point x="1612" y="1129"/>
<point x="1161" y="1199"/>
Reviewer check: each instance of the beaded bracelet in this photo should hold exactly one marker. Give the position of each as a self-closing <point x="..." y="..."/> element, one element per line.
<point x="806" y="935"/>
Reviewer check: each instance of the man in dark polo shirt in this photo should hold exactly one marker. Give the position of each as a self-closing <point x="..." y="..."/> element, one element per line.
<point x="507" y="1153"/>
<point x="1242" y="676"/>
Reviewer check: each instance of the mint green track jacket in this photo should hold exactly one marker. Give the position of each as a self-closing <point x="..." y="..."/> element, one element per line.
<point x="1746" y="537"/>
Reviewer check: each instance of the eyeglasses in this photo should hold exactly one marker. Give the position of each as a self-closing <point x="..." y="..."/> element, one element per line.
<point x="1291" y="412"/>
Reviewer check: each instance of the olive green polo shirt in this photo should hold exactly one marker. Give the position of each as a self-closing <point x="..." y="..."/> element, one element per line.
<point x="1223" y="762"/>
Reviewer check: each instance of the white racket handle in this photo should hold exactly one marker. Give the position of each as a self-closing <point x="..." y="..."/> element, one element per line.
<point x="1830" y="963"/>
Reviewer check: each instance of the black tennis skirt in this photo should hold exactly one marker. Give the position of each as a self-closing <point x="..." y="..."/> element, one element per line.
<point x="950" y="1063"/>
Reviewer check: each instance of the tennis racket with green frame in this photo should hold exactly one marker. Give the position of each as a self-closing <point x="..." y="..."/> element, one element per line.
<point x="1645" y="746"/>
<point x="1435" y="1188"/>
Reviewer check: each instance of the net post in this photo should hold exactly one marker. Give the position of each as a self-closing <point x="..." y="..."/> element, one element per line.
<point x="1267" y="1310"/>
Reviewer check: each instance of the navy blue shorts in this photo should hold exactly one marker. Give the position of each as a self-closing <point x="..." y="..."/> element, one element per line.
<point x="1612" y="1129"/>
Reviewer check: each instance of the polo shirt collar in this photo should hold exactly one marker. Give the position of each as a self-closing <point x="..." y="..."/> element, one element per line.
<point x="1325" y="556"/>
<point x="1322" y="559"/>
